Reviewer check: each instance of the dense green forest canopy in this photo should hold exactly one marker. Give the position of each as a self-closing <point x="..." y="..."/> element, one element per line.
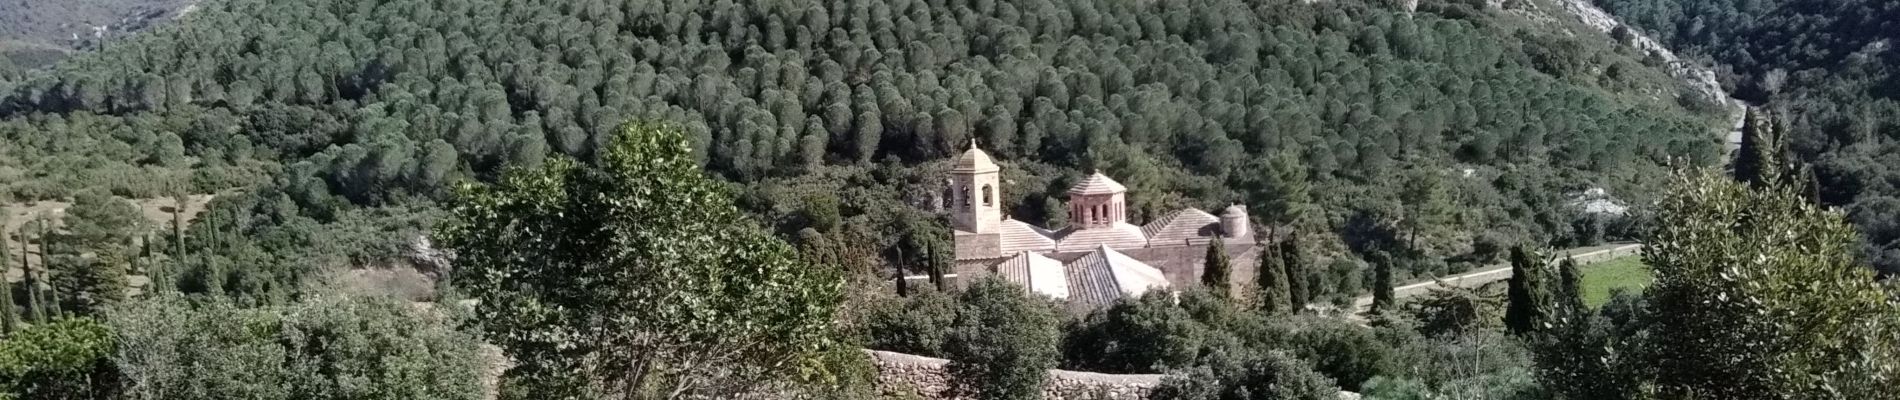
<point x="324" y="107"/>
<point x="1830" y="66"/>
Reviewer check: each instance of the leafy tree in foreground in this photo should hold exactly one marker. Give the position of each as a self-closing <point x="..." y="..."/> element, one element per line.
<point x="1760" y="295"/>
<point x="59" y="360"/>
<point x="637" y="277"/>
<point x="1004" y="342"/>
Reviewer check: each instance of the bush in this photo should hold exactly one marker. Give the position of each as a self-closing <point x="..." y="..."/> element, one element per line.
<point x="1348" y="353"/>
<point x="913" y="325"/>
<point x="64" y="359"/>
<point x="1274" y="375"/>
<point x="1004" y="341"/>
<point x="328" y="347"/>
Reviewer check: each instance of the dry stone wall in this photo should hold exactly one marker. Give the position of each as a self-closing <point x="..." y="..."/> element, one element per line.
<point x="905" y="376"/>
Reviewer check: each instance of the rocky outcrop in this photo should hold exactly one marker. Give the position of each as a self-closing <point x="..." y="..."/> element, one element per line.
<point x="1697" y="78"/>
<point x="904" y="376"/>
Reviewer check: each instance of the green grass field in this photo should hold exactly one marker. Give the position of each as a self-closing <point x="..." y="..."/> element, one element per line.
<point x="1599" y="279"/>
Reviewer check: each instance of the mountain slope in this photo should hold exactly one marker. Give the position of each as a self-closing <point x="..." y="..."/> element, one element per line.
<point x="36" y="33"/>
<point x="334" y="105"/>
<point x="1830" y="71"/>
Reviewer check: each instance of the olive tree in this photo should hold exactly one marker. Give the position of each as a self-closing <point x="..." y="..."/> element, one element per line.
<point x="636" y="277"/>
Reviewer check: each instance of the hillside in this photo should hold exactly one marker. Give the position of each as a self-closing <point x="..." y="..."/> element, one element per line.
<point x="36" y="33"/>
<point x="327" y="107"/>
<point x="1829" y="68"/>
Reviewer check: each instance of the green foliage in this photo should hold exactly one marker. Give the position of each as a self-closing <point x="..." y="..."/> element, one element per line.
<point x="337" y="105"/>
<point x="1004" y="341"/>
<point x="327" y="347"/>
<point x="1758" y="162"/>
<point x="1275" y="297"/>
<point x="1528" y="306"/>
<point x="1150" y="334"/>
<point x="95" y="252"/>
<point x="915" y="324"/>
<point x="637" y="276"/>
<point x="1299" y="273"/>
<point x="1383" y="299"/>
<point x="1568" y="298"/>
<point x="1484" y="364"/>
<point x="1347" y="353"/>
<point x="1273" y="376"/>
<point x="63" y="359"/>
<point x="1761" y="295"/>
<point x="1215" y="270"/>
<point x="1453" y="310"/>
<point x="1826" y="69"/>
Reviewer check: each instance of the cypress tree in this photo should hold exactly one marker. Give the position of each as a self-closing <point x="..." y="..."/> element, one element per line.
<point x="1383" y="298"/>
<point x="32" y="286"/>
<point x="1527" y="308"/>
<point x="903" y="283"/>
<point x="1274" y="297"/>
<point x="1569" y="287"/>
<point x="1293" y="260"/>
<point x="936" y="267"/>
<point x="1215" y="269"/>
<point x="49" y="298"/>
<point x="9" y="316"/>
<point x="1757" y="159"/>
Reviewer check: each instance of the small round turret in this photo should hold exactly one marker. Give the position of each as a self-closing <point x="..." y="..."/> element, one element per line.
<point x="1233" y="222"/>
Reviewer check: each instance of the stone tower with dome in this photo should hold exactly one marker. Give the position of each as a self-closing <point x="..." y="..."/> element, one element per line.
<point x="1101" y="256"/>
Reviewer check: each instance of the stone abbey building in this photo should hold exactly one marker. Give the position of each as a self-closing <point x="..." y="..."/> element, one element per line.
<point x="1100" y="257"/>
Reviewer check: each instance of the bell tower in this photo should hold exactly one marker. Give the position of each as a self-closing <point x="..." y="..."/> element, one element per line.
<point x="975" y="196"/>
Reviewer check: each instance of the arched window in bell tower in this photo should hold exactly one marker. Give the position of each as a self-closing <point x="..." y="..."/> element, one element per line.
<point x="967" y="197"/>
<point x="987" y="199"/>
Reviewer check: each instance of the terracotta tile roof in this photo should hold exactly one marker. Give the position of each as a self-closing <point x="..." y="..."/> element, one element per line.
<point x="1021" y="236"/>
<point x="1177" y="227"/>
<point x="1121" y="235"/>
<point x="1037" y="273"/>
<point x="1105" y="275"/>
<point x="1097" y="183"/>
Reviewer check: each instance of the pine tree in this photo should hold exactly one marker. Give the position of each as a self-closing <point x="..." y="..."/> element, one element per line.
<point x="1569" y="288"/>
<point x="1274" y="297"/>
<point x="1293" y="260"/>
<point x="1527" y="308"/>
<point x="1215" y="269"/>
<point x="1383" y="298"/>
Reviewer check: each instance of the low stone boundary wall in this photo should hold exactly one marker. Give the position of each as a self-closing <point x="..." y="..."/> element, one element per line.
<point x="908" y="376"/>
